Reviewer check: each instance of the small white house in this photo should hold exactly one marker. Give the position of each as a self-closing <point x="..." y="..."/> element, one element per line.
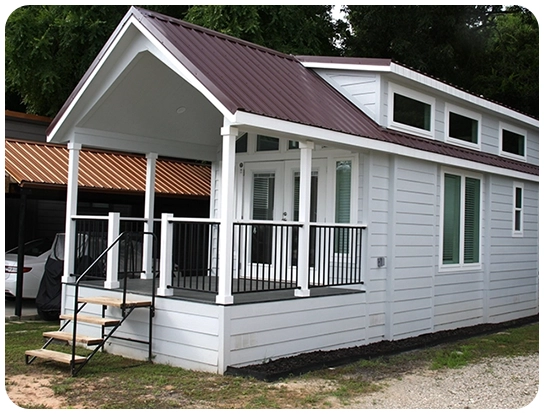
<point x="353" y="200"/>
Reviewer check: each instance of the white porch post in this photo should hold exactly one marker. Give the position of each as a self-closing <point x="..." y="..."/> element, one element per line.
<point x="166" y="256"/>
<point x="304" y="216"/>
<point x="71" y="210"/>
<point x="147" y="254"/>
<point x="112" y="267"/>
<point x="226" y="216"/>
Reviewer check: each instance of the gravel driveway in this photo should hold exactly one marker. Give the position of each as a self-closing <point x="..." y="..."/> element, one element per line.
<point x="493" y="383"/>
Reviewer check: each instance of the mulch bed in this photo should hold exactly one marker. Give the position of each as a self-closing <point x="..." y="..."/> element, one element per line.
<point x="310" y="361"/>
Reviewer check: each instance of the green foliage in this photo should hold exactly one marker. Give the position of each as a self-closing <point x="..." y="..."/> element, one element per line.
<point x="489" y="50"/>
<point x="49" y="49"/>
<point x="302" y="30"/>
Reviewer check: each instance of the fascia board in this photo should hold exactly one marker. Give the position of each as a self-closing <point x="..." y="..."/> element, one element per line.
<point x="286" y="128"/>
<point x="458" y="93"/>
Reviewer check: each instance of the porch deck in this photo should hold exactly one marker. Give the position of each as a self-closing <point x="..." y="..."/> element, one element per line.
<point x="143" y="287"/>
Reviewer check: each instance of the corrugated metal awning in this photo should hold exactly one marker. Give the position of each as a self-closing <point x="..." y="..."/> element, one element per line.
<point x="36" y="164"/>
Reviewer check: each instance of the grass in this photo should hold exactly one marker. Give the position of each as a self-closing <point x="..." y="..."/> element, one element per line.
<point x="109" y="382"/>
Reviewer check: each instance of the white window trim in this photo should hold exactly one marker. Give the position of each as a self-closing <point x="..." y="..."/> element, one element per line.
<point x="517" y="233"/>
<point x="393" y="88"/>
<point x="331" y="184"/>
<point x="449" y="108"/>
<point x="331" y="210"/>
<point x="461" y="266"/>
<point x="512" y="128"/>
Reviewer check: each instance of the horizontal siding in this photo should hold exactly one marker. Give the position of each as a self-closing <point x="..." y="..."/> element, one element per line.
<point x="360" y="88"/>
<point x="414" y="223"/>
<point x="513" y="280"/>
<point x="272" y="330"/>
<point x="185" y="334"/>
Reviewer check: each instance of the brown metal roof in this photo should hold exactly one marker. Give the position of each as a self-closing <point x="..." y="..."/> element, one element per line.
<point x="250" y="78"/>
<point x="40" y="164"/>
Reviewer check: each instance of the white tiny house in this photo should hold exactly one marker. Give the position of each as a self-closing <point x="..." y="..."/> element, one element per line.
<point x="353" y="200"/>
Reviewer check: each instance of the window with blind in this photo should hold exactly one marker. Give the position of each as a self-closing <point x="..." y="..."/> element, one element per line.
<point x="461" y="220"/>
<point x="342" y="205"/>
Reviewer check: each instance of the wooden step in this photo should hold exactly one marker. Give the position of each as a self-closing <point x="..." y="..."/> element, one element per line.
<point x="115" y="302"/>
<point x="96" y="320"/>
<point x="55" y="356"/>
<point x="68" y="336"/>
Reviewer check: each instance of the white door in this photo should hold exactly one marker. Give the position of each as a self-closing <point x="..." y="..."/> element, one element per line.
<point x="270" y="191"/>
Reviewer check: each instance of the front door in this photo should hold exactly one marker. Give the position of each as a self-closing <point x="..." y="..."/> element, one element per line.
<point x="271" y="193"/>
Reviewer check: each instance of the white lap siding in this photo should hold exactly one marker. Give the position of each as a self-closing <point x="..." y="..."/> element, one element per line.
<point x="271" y="330"/>
<point x="513" y="278"/>
<point x="413" y="244"/>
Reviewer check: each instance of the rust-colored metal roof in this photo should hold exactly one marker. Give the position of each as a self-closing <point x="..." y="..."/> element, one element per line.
<point x="250" y="78"/>
<point x="41" y="164"/>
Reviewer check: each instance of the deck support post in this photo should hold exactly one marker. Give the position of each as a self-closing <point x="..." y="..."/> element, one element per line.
<point x="304" y="217"/>
<point x="226" y="215"/>
<point x="165" y="280"/>
<point x="112" y="267"/>
<point x="147" y="253"/>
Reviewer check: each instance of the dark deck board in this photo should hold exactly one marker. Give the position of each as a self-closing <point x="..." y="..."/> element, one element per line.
<point x="143" y="287"/>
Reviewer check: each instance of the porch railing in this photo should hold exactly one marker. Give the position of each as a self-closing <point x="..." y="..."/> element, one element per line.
<point x="335" y="255"/>
<point x="195" y="256"/>
<point x="93" y="234"/>
<point x="265" y="256"/>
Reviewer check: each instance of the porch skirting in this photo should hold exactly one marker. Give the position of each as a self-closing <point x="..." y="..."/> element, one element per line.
<point x="210" y="337"/>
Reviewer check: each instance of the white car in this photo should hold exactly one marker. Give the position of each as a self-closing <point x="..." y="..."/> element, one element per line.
<point x="36" y="253"/>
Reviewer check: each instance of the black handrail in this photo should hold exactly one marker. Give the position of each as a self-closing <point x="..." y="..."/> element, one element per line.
<point x="80" y="278"/>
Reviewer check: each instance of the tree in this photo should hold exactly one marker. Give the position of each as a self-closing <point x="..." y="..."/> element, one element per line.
<point x="458" y="44"/>
<point x="512" y="61"/>
<point x="489" y="50"/>
<point x="303" y="30"/>
<point x="49" y="48"/>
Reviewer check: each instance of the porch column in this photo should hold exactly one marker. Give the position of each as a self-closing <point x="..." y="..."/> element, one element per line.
<point x="71" y="210"/>
<point x="165" y="279"/>
<point x="226" y="216"/>
<point x="112" y="268"/>
<point x="149" y="213"/>
<point x="304" y="216"/>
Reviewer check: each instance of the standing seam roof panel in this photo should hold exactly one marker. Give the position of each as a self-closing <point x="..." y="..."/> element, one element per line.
<point x="311" y="101"/>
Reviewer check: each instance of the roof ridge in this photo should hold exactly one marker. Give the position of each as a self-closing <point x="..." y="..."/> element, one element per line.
<point x="214" y="33"/>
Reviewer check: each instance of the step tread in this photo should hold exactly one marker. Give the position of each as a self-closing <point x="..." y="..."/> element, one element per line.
<point x="55" y="356"/>
<point x="115" y="302"/>
<point x="67" y="336"/>
<point x="96" y="320"/>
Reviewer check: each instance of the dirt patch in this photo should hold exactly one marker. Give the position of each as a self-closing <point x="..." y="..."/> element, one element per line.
<point x="29" y="391"/>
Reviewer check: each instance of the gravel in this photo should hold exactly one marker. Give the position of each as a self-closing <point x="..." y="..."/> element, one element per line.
<point x="492" y="384"/>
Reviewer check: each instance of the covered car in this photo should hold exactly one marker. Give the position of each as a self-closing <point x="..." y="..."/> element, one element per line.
<point x="35" y="253"/>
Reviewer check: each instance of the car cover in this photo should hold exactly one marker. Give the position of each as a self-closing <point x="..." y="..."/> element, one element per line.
<point x="49" y="292"/>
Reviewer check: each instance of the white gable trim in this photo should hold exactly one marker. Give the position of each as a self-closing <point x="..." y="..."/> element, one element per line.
<point x="160" y="52"/>
<point x="168" y="59"/>
<point x="255" y="123"/>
